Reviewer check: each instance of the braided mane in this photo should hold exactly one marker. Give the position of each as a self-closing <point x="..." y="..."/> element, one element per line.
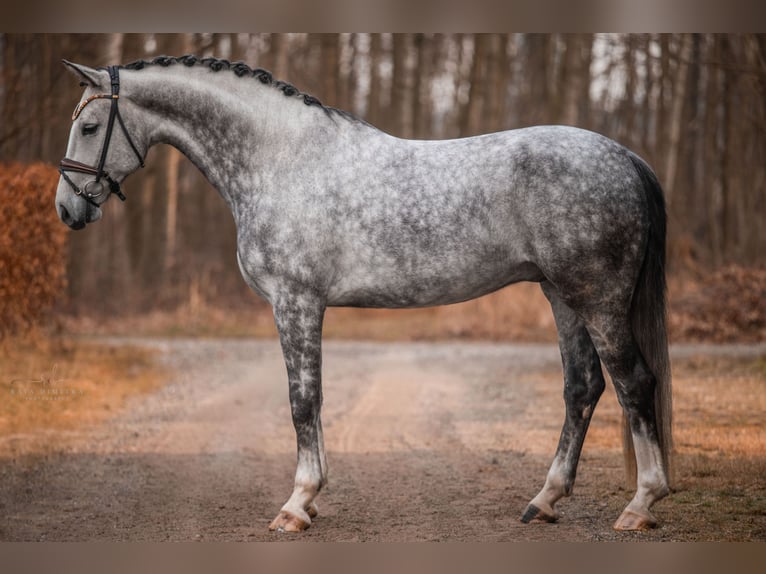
<point x="240" y="69"/>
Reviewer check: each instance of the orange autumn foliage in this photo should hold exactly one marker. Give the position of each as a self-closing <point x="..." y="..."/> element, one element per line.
<point x="32" y="246"/>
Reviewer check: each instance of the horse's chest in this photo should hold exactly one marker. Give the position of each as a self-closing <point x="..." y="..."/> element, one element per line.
<point x="257" y="281"/>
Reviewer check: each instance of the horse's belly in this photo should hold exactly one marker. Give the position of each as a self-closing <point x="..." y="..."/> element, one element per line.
<point x="426" y="285"/>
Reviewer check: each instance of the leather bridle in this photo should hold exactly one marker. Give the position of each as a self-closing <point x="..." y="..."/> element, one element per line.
<point x="94" y="189"/>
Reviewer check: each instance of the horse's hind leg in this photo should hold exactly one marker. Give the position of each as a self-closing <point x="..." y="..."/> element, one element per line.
<point x="299" y="316"/>
<point x="583" y="385"/>
<point x="635" y="387"/>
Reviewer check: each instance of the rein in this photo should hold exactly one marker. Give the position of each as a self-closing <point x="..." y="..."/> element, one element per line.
<point x="95" y="188"/>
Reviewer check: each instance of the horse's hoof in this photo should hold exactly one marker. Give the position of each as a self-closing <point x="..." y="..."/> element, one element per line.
<point x="288" y="522"/>
<point x="312" y="510"/>
<point x="631" y="520"/>
<point x="536" y="514"/>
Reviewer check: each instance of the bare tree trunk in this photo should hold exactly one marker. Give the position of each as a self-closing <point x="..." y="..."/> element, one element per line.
<point x="420" y="95"/>
<point x="587" y="60"/>
<point x="537" y="63"/>
<point x="691" y="149"/>
<point x="628" y="107"/>
<point x="401" y="86"/>
<point x="498" y="78"/>
<point x="373" y="97"/>
<point x="676" y="116"/>
<point x="114" y="48"/>
<point x="460" y="69"/>
<point x="47" y="94"/>
<point x="724" y="148"/>
<point x="280" y="55"/>
<point x="648" y="112"/>
<point x="576" y="77"/>
<point x="352" y="79"/>
<point x="8" y="106"/>
<point x="440" y="117"/>
<point x="466" y="95"/>
<point x="661" y="144"/>
<point x="713" y="174"/>
<point x="471" y="119"/>
<point x="329" y="68"/>
<point x="343" y="71"/>
<point x="739" y="126"/>
<point x="757" y="156"/>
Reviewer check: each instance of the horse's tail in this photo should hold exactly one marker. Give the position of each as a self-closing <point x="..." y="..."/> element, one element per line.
<point x="648" y="318"/>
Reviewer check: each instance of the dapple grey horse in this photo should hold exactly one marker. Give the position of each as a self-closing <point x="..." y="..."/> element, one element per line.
<point x="331" y="211"/>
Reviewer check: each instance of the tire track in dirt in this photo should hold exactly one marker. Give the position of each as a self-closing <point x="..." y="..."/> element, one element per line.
<point x="399" y="409"/>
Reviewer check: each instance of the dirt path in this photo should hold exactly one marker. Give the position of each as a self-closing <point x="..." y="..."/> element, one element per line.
<point x="425" y="442"/>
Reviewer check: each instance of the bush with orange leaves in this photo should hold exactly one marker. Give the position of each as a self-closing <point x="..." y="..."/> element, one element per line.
<point x="727" y="306"/>
<point x="32" y="246"/>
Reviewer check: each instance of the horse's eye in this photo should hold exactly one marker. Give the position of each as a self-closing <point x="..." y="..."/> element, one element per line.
<point x="89" y="129"/>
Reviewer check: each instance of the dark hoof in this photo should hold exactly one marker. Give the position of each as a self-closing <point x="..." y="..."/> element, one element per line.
<point x="535" y="514"/>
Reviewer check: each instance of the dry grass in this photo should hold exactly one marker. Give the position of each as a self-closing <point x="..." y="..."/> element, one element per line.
<point x="518" y="313"/>
<point x="720" y="406"/>
<point x="720" y="434"/>
<point x="725" y="306"/>
<point x="48" y="387"/>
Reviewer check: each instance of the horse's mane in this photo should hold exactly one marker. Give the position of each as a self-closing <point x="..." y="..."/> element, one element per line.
<point x="241" y="69"/>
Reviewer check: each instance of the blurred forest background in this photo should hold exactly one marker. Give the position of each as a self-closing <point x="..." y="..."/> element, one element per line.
<point x="693" y="105"/>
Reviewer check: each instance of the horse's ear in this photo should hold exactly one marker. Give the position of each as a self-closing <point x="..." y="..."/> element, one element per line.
<point x="87" y="76"/>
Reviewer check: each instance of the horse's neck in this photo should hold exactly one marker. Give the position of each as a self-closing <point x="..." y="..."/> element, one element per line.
<point x="233" y="129"/>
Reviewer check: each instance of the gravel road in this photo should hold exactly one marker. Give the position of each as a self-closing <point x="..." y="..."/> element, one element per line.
<point x="426" y="441"/>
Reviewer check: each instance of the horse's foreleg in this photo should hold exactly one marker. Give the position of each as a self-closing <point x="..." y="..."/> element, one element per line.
<point x="583" y="385"/>
<point x="299" y="321"/>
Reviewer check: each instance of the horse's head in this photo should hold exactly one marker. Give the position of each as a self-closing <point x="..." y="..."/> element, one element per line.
<point x="102" y="149"/>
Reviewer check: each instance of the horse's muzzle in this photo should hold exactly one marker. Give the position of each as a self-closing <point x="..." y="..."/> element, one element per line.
<point x="68" y="219"/>
<point x="77" y="220"/>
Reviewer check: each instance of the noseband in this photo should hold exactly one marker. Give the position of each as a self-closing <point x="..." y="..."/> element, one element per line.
<point x="95" y="188"/>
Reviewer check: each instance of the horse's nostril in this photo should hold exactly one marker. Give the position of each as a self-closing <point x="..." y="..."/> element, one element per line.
<point x="69" y="220"/>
